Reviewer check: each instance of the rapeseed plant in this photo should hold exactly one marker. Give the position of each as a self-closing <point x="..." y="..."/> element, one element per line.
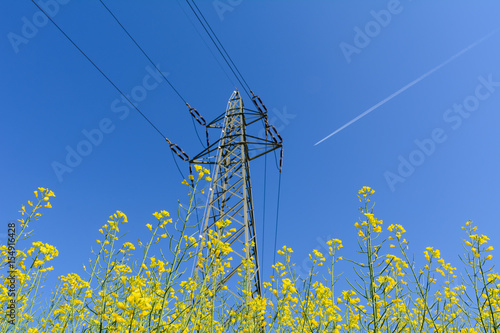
<point x="126" y="289"/>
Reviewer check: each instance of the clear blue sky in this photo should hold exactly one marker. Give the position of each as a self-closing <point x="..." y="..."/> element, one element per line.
<point x="316" y="64"/>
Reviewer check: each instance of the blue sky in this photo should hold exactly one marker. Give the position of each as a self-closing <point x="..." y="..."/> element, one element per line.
<point x="430" y="152"/>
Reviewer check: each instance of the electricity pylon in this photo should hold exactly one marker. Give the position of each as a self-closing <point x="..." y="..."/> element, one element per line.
<point x="230" y="196"/>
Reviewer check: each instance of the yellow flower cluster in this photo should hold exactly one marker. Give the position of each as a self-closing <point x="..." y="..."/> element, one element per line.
<point x="202" y="173"/>
<point x="153" y="294"/>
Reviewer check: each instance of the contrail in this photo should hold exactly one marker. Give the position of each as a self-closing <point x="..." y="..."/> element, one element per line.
<point x="409" y="85"/>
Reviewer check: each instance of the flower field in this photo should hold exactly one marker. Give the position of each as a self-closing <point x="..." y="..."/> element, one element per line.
<point x="127" y="289"/>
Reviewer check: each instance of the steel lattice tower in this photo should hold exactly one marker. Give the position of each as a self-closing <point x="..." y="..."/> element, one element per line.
<point x="230" y="196"/>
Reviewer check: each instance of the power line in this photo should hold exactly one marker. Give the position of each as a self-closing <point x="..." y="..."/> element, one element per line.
<point x="100" y="71"/>
<point x="160" y="72"/>
<point x="264" y="211"/>
<point x="277" y="219"/>
<point x="217" y="46"/>
<point x="142" y="50"/>
<point x="205" y="43"/>
<point x="173" y="146"/>
<point x="197" y="134"/>
<point x="222" y="46"/>
<point x="177" y="165"/>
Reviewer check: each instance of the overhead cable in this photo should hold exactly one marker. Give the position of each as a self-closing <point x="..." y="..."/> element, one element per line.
<point x="224" y="55"/>
<point x="194" y="113"/>
<point x="176" y="149"/>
